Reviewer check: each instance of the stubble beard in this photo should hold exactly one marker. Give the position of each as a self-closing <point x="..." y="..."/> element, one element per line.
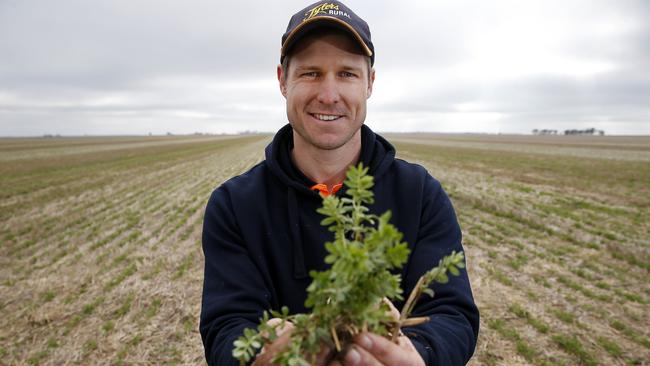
<point x="325" y="145"/>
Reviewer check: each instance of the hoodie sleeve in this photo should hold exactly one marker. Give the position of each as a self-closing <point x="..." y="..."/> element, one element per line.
<point x="449" y="338"/>
<point x="234" y="294"/>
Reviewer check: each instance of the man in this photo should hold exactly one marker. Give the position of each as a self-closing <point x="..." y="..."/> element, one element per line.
<point x="262" y="235"/>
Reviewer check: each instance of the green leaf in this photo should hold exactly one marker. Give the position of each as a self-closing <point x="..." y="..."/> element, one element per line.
<point x="428" y="291"/>
<point x="454" y="271"/>
<point x="239" y="343"/>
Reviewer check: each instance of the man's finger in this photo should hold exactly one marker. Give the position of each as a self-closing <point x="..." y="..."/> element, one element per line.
<point x="386" y="352"/>
<point x="323" y="357"/>
<point x="270" y="350"/>
<point x="380" y="347"/>
<point x="267" y="353"/>
<point x="357" y="356"/>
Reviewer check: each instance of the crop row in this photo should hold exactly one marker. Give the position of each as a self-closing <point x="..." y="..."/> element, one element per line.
<point x="118" y="264"/>
<point x="563" y="273"/>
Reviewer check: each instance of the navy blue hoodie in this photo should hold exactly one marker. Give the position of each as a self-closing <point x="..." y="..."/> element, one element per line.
<point x="262" y="236"/>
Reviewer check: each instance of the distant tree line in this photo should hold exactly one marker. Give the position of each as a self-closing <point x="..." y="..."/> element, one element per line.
<point x="544" y="132"/>
<point x="588" y="131"/>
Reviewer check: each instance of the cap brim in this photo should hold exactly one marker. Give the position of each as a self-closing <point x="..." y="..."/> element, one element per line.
<point x="310" y="24"/>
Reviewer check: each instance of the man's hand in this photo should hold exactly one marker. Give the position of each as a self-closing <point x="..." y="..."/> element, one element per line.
<point x="265" y="357"/>
<point x="373" y="350"/>
<point x="268" y="352"/>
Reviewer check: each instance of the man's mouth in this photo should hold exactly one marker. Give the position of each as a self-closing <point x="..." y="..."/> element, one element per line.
<point x="326" y="117"/>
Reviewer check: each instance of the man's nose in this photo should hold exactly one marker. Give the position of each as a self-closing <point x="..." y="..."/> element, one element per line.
<point x="328" y="92"/>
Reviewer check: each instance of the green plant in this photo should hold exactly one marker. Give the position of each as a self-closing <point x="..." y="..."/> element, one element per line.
<point x="572" y="345"/>
<point x="611" y="347"/>
<point x="349" y="297"/>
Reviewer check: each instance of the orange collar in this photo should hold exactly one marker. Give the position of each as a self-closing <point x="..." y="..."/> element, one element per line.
<point x="322" y="188"/>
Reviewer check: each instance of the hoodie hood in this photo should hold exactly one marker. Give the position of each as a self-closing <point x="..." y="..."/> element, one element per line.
<point x="376" y="153"/>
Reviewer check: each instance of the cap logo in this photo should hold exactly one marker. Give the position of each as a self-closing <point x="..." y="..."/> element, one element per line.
<point x="326" y="8"/>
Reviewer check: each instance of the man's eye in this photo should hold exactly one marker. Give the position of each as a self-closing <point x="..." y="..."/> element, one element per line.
<point x="347" y="74"/>
<point x="311" y="74"/>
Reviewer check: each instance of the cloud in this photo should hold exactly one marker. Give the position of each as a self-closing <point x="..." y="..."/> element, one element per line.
<point x="123" y="67"/>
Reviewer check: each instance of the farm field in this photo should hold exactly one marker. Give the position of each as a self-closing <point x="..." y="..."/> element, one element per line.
<point x="101" y="261"/>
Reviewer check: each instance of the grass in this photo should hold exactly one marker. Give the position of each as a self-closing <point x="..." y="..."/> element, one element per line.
<point x="48" y="296"/>
<point x="610" y="346"/>
<point x="564" y="316"/>
<point x="501" y="277"/>
<point x="125" y="307"/>
<point x="553" y="229"/>
<point x="36" y="358"/>
<point x="522" y="347"/>
<point x="630" y="333"/>
<point x="572" y="345"/>
<point x="183" y="267"/>
<point x="519" y="261"/>
<point x="108" y="326"/>
<point x="124" y="274"/>
<point x="101" y="244"/>
<point x="90" y="345"/>
<point x="153" y="308"/>
<point x="52" y="343"/>
<point x="107" y="224"/>
<point x="538" y="324"/>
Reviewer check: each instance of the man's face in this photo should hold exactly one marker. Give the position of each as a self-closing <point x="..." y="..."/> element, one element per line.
<point x="326" y="88"/>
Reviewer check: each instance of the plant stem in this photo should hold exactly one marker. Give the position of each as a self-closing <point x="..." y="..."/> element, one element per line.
<point x="415" y="321"/>
<point x="336" y="339"/>
<point x="406" y="309"/>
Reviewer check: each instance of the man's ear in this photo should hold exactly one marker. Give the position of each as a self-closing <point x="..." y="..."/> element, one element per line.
<point x="282" y="81"/>
<point x="371" y="81"/>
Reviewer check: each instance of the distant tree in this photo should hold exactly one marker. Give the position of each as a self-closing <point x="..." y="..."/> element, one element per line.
<point x="545" y="132"/>
<point x="587" y="131"/>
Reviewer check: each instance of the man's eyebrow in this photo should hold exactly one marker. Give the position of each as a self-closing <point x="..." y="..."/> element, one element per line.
<point x="299" y="69"/>
<point x="307" y="67"/>
<point x="351" y="68"/>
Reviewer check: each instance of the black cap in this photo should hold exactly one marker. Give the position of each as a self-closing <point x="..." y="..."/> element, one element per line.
<point x="327" y="13"/>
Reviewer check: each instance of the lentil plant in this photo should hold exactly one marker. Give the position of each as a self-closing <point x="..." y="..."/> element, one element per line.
<point x="349" y="297"/>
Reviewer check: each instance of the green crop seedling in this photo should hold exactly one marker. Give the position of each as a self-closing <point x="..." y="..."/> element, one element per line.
<point x="349" y="297"/>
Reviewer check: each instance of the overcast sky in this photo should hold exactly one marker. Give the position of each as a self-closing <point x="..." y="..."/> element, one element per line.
<point x="77" y="67"/>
